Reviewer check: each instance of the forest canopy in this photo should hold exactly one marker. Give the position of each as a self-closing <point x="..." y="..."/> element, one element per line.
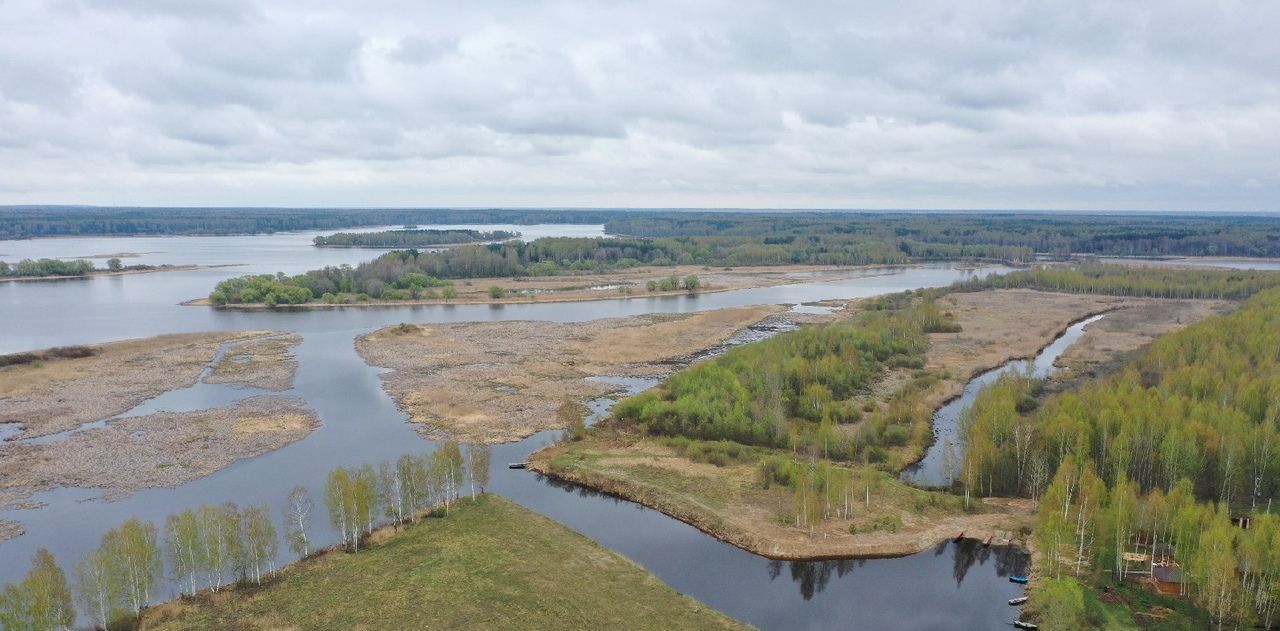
<point x="794" y="388"/>
<point x="1058" y="234"/>
<point x="1138" y="281"/>
<point x="1156" y="459"/>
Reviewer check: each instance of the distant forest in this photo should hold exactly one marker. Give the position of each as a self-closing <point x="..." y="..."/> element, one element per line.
<point x="410" y="238"/>
<point x="26" y="222"/>
<point x="1057" y="234"/>
<point x="917" y="235"/>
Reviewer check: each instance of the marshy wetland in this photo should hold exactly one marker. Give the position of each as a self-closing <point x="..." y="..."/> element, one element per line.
<point x="352" y="401"/>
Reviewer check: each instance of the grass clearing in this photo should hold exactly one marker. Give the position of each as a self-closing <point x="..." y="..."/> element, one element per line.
<point x="489" y="565"/>
<point x="727" y="497"/>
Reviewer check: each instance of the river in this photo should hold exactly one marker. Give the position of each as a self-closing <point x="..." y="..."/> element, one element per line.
<point x="955" y="585"/>
<point x="933" y="470"/>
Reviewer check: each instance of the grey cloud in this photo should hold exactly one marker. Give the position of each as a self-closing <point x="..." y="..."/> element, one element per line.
<point x="993" y="103"/>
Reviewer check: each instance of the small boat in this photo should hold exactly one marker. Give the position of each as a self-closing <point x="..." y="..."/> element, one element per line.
<point x="517" y="465"/>
<point x="1022" y="580"/>
<point x="1024" y="625"/>
<point x="960" y="535"/>
<point x="986" y="543"/>
<point x="1017" y="601"/>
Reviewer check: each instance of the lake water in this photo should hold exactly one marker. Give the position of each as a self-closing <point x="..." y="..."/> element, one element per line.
<point x="955" y="585"/>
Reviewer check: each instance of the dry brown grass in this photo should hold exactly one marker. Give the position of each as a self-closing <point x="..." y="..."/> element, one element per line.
<point x="54" y="396"/>
<point x="730" y="503"/>
<point x="266" y="363"/>
<point x="158" y="450"/>
<point x="502" y="381"/>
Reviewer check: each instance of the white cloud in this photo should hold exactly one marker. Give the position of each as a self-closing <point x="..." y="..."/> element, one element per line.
<point x="987" y="104"/>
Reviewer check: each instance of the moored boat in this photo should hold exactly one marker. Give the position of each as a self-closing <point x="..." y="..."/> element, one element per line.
<point x="1017" y="601"/>
<point x="1018" y="579"/>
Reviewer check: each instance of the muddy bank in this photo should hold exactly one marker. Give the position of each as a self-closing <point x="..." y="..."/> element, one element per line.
<point x="58" y="395"/>
<point x="1110" y="341"/>
<point x="501" y="381"/>
<point x="165" y="449"/>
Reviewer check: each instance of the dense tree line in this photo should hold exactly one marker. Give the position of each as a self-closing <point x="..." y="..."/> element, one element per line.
<point x="547" y="256"/>
<point x="1164" y="452"/>
<point x="795" y="389"/>
<point x="1058" y="234"/>
<point x="213" y="546"/>
<point x="1006" y="236"/>
<point x="29" y="268"/>
<point x="411" y="238"/>
<point x="25" y="222"/>
<point x="1123" y="280"/>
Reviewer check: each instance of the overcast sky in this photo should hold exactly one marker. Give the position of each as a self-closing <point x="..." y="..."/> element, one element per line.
<point x="1093" y="105"/>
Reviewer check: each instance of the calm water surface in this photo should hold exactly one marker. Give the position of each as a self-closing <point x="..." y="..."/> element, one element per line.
<point x="955" y="585"/>
<point x="933" y="470"/>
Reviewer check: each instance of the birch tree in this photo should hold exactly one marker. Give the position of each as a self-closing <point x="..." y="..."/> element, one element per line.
<point x="41" y="601"/>
<point x="297" y="514"/>
<point x="479" y="458"/>
<point x="134" y="557"/>
<point x="96" y="590"/>
<point x="184" y="549"/>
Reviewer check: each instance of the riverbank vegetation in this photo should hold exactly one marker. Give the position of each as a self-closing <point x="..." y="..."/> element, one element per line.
<point x="402" y="272"/>
<point x="794" y="389"/>
<point x="770" y="445"/>
<point x="790" y="447"/>
<point x="1135" y="281"/>
<point x="489" y="565"/>
<point x="1175" y="462"/>
<point x="411" y="535"/>
<point x="211" y="547"/>
<point x="58" y="268"/>
<point x="411" y="238"/>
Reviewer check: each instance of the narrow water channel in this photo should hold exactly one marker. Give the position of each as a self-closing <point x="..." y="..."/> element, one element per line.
<point x="936" y="469"/>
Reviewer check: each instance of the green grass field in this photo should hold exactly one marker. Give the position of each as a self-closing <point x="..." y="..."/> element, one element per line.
<point x="488" y="565"/>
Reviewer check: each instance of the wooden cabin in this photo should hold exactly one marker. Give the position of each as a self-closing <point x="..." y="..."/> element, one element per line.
<point x="1167" y="579"/>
